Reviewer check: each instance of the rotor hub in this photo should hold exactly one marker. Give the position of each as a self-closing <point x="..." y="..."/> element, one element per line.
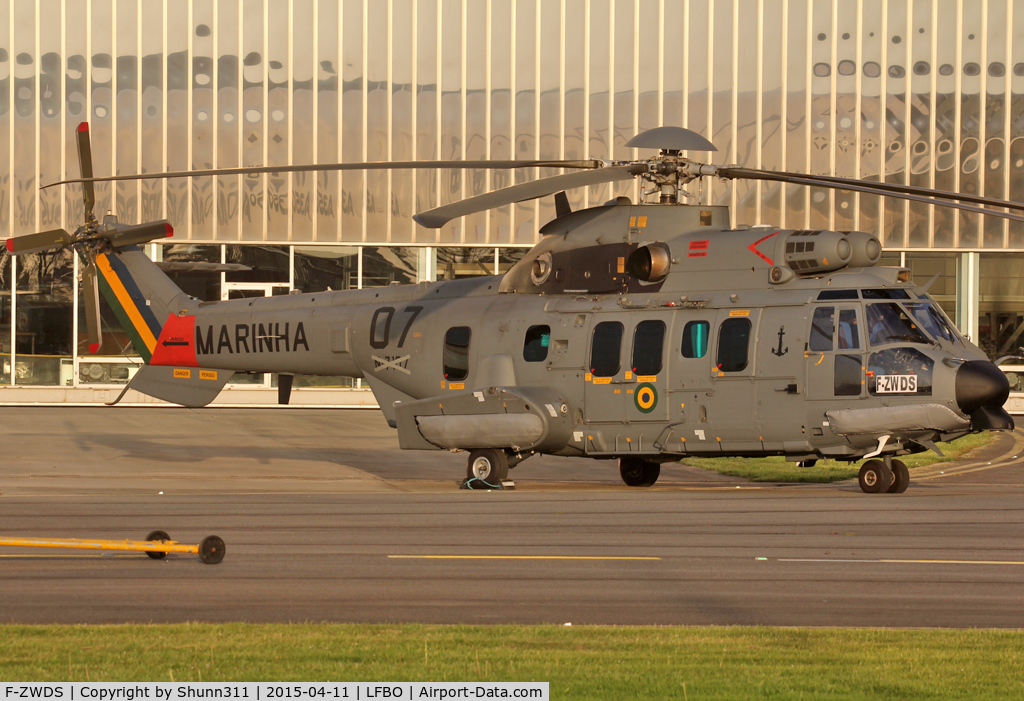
<point x="668" y="174"/>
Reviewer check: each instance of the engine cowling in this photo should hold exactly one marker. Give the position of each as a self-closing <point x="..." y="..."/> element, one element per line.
<point x="816" y="252"/>
<point x="650" y="263"/>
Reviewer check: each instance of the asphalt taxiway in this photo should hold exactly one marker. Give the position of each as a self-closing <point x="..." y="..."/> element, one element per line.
<point x="325" y="519"/>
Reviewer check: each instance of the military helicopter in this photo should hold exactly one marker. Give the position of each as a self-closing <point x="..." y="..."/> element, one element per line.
<point x="641" y="332"/>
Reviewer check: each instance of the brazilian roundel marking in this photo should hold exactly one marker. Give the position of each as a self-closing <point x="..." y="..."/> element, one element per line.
<point x="646" y="397"/>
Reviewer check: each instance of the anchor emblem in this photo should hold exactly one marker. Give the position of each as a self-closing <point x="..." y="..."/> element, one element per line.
<point x="780" y="351"/>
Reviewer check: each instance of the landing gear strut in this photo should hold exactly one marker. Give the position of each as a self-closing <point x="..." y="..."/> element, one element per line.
<point x="638" y="473"/>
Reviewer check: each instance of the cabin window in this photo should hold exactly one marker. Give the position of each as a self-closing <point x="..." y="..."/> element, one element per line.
<point x="695" y="339"/>
<point x="535" y="348"/>
<point x="456" y="353"/>
<point x="848" y="334"/>
<point x="821" y="329"/>
<point x="848" y="375"/>
<point x="606" y="349"/>
<point x="648" y="341"/>
<point x="733" y="345"/>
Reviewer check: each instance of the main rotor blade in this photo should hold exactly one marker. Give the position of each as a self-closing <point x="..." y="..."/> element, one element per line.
<point x="85" y="168"/>
<point x="91" y="299"/>
<point x="860" y="186"/>
<point x="882" y="188"/>
<point x="366" y="165"/>
<point x="43" y="241"/>
<point x="438" y="217"/>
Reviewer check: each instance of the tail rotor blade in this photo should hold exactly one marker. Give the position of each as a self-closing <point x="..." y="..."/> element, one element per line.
<point x="44" y="240"/>
<point x="91" y="299"/>
<point x="140" y="233"/>
<point x="85" y="166"/>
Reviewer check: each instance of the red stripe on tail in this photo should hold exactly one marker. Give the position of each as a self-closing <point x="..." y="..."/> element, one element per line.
<point x="177" y="343"/>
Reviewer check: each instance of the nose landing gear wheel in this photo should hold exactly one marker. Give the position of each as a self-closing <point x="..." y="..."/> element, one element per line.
<point x="157" y="535"/>
<point x="874" y="477"/>
<point x="487" y="465"/>
<point x="638" y="473"/>
<point x="900" y="477"/>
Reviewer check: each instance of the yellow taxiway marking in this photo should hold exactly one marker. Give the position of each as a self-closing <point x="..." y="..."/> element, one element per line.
<point x="515" y="557"/>
<point x="911" y="562"/>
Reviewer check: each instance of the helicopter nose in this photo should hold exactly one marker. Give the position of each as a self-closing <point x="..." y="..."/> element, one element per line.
<point x="979" y="383"/>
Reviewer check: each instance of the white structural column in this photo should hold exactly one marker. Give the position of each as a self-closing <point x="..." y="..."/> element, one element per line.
<point x="968" y="294"/>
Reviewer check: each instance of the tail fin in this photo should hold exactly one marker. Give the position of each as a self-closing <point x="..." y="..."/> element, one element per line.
<point x="160" y="319"/>
<point x="144" y="299"/>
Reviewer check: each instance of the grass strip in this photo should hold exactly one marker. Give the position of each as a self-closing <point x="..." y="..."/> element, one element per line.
<point x="776" y="469"/>
<point x="580" y="662"/>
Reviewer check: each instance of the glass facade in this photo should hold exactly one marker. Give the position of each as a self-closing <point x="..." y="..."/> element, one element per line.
<point x="45" y="297"/>
<point x="923" y="92"/>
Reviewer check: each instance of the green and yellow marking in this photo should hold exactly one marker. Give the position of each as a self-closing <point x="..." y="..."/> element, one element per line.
<point x="646" y="398"/>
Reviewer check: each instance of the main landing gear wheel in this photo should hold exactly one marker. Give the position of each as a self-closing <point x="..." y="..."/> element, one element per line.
<point x="900" y="477"/>
<point x="157" y="535"/>
<point x="638" y="473"/>
<point x="874" y="477"/>
<point x="487" y="465"/>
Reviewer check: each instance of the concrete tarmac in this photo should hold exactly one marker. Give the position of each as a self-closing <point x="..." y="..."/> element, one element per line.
<point x="325" y="519"/>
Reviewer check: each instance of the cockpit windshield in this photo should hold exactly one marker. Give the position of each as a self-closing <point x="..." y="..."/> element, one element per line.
<point x="932" y="320"/>
<point x="890" y="323"/>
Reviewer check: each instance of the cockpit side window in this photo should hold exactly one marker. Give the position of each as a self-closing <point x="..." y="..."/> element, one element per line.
<point x="849" y="333"/>
<point x="900" y="371"/>
<point x="889" y="323"/>
<point x="848" y="377"/>
<point x="822" y="327"/>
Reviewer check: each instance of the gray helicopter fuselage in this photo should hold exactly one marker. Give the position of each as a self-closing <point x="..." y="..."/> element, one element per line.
<point x="639" y="332"/>
<point x="572" y="353"/>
